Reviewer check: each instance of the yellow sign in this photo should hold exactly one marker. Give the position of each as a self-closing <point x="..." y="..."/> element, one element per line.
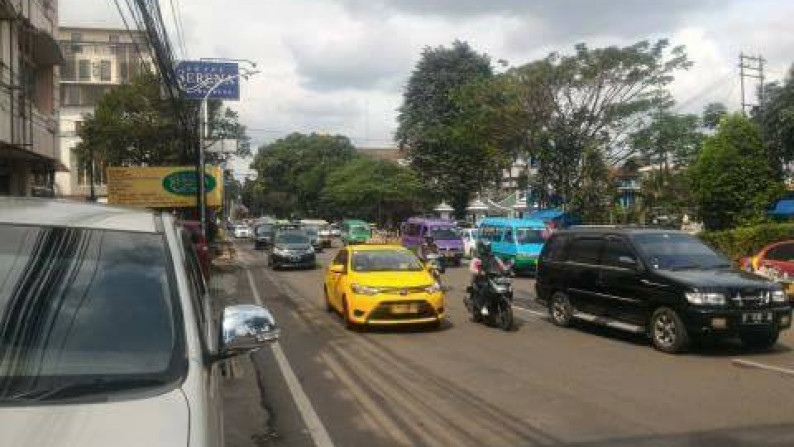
<point x="162" y="187"/>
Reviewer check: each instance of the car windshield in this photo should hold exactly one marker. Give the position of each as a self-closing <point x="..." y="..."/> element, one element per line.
<point x="529" y="236"/>
<point x="359" y="229"/>
<point x="311" y="231"/>
<point x="292" y="238"/>
<point x="82" y="309"/>
<point x="443" y="233"/>
<point x="673" y="251"/>
<point x="385" y="261"/>
<point x="264" y="229"/>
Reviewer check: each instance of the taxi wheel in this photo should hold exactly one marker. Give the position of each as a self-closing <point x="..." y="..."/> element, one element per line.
<point x="328" y="307"/>
<point x="349" y="325"/>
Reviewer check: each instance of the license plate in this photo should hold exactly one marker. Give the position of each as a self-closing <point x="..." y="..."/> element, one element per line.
<point x="757" y="317"/>
<point x="404" y="308"/>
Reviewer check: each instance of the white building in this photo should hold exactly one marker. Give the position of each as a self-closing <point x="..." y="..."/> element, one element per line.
<point x="97" y="60"/>
<point x="29" y="56"/>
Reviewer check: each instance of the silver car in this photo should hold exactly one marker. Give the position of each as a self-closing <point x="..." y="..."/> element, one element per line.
<point x="107" y="336"/>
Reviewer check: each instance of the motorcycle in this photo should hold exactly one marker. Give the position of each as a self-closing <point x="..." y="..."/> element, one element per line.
<point x="498" y="298"/>
<point x="436" y="264"/>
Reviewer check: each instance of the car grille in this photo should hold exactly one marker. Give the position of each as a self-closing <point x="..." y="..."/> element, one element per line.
<point x="750" y="298"/>
<point x="404" y="290"/>
<point x="384" y="311"/>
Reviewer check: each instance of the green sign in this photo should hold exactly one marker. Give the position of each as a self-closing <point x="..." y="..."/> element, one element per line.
<point x="184" y="183"/>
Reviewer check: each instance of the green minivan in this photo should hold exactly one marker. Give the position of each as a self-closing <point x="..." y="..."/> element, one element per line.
<point x="355" y="232"/>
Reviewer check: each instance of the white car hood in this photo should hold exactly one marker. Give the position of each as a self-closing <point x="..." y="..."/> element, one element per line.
<point x="153" y="422"/>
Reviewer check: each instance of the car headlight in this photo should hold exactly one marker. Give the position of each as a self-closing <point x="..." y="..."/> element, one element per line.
<point x="364" y="290"/>
<point x="280" y="251"/>
<point x="706" y="298"/>
<point x="779" y="296"/>
<point x="310" y="250"/>
<point x="433" y="288"/>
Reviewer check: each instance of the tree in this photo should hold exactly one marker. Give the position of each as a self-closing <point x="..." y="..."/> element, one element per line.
<point x="379" y="190"/>
<point x="732" y="181"/>
<point x="591" y="100"/>
<point x="592" y="200"/>
<point x="293" y="171"/>
<point x="134" y="125"/>
<point x="670" y="139"/>
<point x="431" y="125"/>
<point x="713" y="113"/>
<point x="776" y="117"/>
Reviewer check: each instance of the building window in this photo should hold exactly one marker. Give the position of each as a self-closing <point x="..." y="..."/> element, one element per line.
<point x="104" y="70"/>
<point x="68" y="70"/>
<point x="113" y="38"/>
<point x="84" y="70"/>
<point x="70" y="95"/>
<point x="124" y="72"/>
<point x="77" y="37"/>
<point x="78" y="126"/>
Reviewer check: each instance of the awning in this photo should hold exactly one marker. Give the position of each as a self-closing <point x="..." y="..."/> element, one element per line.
<point x="45" y="50"/>
<point x="13" y="152"/>
<point x="783" y="208"/>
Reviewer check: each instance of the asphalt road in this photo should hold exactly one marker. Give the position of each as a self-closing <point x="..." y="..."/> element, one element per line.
<point x="470" y="385"/>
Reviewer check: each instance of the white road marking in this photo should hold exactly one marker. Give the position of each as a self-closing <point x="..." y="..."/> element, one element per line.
<point x="533" y="312"/>
<point x="313" y="423"/>
<point x="750" y="364"/>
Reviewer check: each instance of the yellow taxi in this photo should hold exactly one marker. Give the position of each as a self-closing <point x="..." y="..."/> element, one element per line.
<point x="382" y="285"/>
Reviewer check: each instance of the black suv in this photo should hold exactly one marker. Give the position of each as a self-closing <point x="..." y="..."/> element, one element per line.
<point x="667" y="284"/>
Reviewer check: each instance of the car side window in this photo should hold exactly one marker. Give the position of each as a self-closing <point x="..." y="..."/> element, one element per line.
<point x="341" y="258"/>
<point x="586" y="250"/>
<point x="617" y="253"/>
<point x="783" y="252"/>
<point x="554" y="249"/>
<point x="509" y="235"/>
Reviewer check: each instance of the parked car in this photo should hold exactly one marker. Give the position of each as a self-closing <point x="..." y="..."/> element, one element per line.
<point x="193" y="228"/>
<point x="112" y="335"/>
<point x="355" y="232"/>
<point x="242" y="231"/>
<point x="664" y="283"/>
<point x="444" y="233"/>
<point x="776" y="262"/>
<point x="382" y="285"/>
<point x="518" y="241"/>
<point x="263" y="235"/>
<point x="292" y="249"/>
<point x="469" y="236"/>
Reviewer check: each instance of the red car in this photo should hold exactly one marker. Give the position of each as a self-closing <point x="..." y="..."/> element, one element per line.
<point x="776" y="262"/>
<point x="193" y="228"/>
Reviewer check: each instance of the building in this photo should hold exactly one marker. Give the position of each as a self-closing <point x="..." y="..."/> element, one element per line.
<point x="29" y="56"/>
<point x="521" y="169"/>
<point x="385" y="153"/>
<point x="96" y="61"/>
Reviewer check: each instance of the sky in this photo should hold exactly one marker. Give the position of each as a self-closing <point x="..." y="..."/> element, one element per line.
<point x="340" y="66"/>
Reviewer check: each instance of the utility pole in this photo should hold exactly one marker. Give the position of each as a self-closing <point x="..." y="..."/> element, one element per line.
<point x="751" y="67"/>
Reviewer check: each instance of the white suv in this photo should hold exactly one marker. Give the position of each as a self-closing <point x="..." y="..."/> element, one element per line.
<point x="107" y="336"/>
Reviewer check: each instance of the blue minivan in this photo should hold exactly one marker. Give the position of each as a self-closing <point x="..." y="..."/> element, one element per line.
<point x="517" y="240"/>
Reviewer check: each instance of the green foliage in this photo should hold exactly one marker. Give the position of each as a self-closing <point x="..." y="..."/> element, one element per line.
<point x="293" y="172"/>
<point x="592" y="99"/>
<point x="777" y="121"/>
<point x="377" y="190"/>
<point x="134" y="124"/>
<point x="732" y="181"/>
<point x="433" y="128"/>
<point x="747" y="241"/>
<point x="669" y="138"/>
<point x="592" y="200"/>
<point x="713" y="113"/>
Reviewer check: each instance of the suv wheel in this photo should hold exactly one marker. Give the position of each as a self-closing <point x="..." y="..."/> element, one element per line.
<point x="760" y="340"/>
<point x="561" y="309"/>
<point x="668" y="332"/>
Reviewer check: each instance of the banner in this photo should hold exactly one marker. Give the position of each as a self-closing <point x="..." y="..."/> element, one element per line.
<point x="162" y="187"/>
<point x="197" y="78"/>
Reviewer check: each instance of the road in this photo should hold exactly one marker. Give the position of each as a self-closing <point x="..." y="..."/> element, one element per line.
<point x="469" y="385"/>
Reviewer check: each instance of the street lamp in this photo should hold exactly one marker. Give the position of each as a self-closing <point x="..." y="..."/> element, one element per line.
<point x="203" y="132"/>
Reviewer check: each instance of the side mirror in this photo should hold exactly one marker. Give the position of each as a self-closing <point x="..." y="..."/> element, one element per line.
<point x="246" y="328"/>
<point x="337" y="268"/>
<point x="627" y="261"/>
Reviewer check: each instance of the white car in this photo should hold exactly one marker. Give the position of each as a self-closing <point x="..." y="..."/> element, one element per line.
<point x="469" y="236"/>
<point x="113" y="341"/>
<point x="242" y="231"/>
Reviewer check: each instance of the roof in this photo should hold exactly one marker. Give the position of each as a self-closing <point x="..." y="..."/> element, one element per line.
<point x="518" y="222"/>
<point x="61" y="213"/>
<point x="376" y="247"/>
<point x="384" y="153"/>
<point x="783" y="208"/>
<point x="355" y="222"/>
<point x="618" y="229"/>
<point x="431" y="220"/>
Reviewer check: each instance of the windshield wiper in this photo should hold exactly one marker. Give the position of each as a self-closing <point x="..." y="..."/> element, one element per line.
<point x="80" y="388"/>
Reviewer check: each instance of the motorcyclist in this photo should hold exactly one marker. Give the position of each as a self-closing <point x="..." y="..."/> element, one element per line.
<point x="482" y="265"/>
<point x="428" y="247"/>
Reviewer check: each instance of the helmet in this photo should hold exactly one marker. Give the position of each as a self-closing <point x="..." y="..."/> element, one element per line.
<point x="484" y="248"/>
